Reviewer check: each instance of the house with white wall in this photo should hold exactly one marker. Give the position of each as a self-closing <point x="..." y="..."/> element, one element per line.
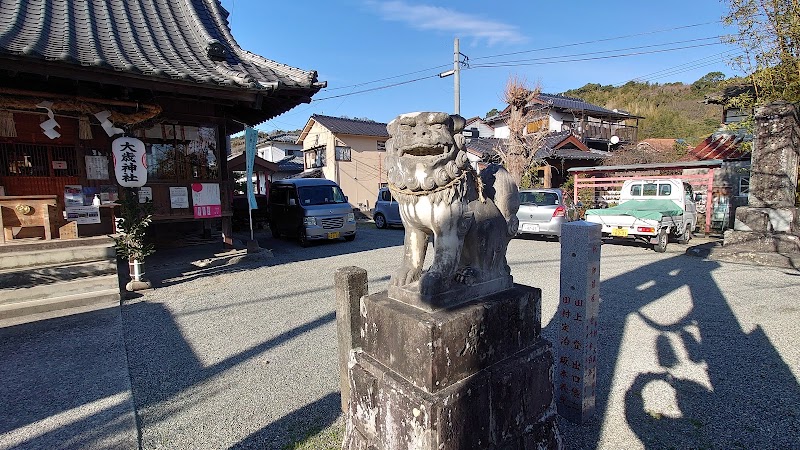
<point x="597" y="127"/>
<point x="276" y="147"/>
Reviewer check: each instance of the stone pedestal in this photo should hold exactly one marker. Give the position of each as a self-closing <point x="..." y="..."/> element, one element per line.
<point x="474" y="376"/>
<point x="766" y="231"/>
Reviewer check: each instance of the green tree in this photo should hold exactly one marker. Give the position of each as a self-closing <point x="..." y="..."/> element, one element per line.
<point x="491" y="113"/>
<point x="709" y="80"/>
<point x="768" y="32"/>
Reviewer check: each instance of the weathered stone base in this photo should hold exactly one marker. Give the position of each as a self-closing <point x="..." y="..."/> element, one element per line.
<point x="767" y="220"/>
<point x="505" y="406"/>
<point x="476" y="376"/>
<point x="767" y="249"/>
<point x="410" y="295"/>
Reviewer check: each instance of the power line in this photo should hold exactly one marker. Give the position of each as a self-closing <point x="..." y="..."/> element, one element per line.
<point x="536" y="63"/>
<point x="597" y="40"/>
<point x="603" y="51"/>
<point x="388" y="78"/>
<point x="375" y="88"/>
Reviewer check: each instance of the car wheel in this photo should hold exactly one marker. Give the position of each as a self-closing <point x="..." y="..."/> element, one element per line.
<point x="303" y="238"/>
<point x="686" y="236"/>
<point x="380" y="221"/>
<point x="661" y="245"/>
<point x="350" y="238"/>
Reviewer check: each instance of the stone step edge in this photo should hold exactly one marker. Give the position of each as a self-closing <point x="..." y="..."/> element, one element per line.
<point x="35" y="310"/>
<point x="91" y="282"/>
<point x="10" y="270"/>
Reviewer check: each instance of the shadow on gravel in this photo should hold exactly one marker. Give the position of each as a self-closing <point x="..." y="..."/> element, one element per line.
<point x="173" y="266"/>
<point x="753" y="397"/>
<point x="163" y="366"/>
<point x="314" y="417"/>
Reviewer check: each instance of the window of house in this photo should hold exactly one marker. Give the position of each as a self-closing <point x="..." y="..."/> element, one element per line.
<point x="744" y="186"/>
<point x="538" y="125"/>
<point x="315" y="157"/>
<point x="381" y="146"/>
<point x="342" y="153"/>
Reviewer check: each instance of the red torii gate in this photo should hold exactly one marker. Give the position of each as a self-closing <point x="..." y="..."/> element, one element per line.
<point x="592" y="180"/>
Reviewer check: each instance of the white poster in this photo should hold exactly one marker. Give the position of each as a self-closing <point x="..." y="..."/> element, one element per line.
<point x="145" y="194"/>
<point x="206" y="200"/>
<point x="83" y="214"/>
<point x="96" y="167"/>
<point x="178" y="197"/>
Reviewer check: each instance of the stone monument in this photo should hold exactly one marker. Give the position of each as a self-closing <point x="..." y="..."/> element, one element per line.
<point x="450" y="357"/>
<point x="766" y="231"/>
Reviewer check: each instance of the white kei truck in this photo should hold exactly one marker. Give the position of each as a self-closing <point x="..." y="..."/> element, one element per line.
<point x="651" y="211"/>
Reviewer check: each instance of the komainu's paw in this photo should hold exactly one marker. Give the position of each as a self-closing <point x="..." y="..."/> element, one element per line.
<point x="405" y="276"/>
<point x="431" y="283"/>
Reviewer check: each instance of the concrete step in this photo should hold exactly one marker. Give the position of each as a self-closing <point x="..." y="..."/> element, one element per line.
<point x="41" y="244"/>
<point x="23" y="277"/>
<point x="32" y="257"/>
<point x="59" y="289"/>
<point x="33" y="310"/>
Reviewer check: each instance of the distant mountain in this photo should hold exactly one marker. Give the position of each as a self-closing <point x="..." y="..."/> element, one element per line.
<point x="671" y="110"/>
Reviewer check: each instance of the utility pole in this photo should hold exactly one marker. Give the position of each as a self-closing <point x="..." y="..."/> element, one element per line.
<point x="456" y="72"/>
<point x="457" y="77"/>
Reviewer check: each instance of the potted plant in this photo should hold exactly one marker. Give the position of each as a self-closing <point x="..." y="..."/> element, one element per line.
<point x="130" y="241"/>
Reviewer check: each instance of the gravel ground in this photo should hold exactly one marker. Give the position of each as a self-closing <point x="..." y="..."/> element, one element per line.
<point x="693" y="353"/>
<point x="240" y="352"/>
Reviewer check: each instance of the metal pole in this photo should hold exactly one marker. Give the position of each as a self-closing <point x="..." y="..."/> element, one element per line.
<point x="457" y="77"/>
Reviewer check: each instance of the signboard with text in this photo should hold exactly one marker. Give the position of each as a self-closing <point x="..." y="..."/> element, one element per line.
<point x="206" y="200"/>
<point x="130" y="162"/>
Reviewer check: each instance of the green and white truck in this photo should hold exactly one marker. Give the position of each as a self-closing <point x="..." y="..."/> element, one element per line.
<point x="651" y="211"/>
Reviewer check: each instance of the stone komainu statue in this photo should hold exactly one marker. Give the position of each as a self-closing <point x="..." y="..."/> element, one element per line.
<point x="470" y="217"/>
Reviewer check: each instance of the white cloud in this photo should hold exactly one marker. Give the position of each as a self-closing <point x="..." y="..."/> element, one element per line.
<point x="436" y="18"/>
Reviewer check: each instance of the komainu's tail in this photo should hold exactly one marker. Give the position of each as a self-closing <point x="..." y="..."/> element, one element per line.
<point x="502" y="190"/>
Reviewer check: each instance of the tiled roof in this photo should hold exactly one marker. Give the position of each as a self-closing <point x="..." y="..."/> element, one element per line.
<point x="182" y="40"/>
<point x="720" y="146"/>
<point x="485" y="148"/>
<point x="341" y="125"/>
<point x="282" y="137"/>
<point x="577" y="104"/>
<point x="291" y="164"/>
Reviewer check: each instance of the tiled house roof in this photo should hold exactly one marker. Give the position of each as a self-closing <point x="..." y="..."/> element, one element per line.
<point x="291" y="164"/>
<point x="178" y="41"/>
<point x="561" y="145"/>
<point x="563" y="103"/>
<point x="340" y="125"/>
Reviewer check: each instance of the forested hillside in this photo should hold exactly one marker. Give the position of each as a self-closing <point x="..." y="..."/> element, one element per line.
<point x="672" y="110"/>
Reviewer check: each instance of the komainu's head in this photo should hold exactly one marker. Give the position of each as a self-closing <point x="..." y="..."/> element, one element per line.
<point x="426" y="150"/>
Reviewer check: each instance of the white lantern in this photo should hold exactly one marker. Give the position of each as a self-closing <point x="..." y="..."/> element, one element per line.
<point x="130" y="162"/>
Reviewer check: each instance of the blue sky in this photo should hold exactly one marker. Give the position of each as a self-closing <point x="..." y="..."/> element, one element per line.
<point x="560" y="45"/>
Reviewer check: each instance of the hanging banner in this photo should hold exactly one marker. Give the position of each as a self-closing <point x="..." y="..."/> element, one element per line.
<point x="130" y="162"/>
<point x="250" y="140"/>
<point x="206" y="200"/>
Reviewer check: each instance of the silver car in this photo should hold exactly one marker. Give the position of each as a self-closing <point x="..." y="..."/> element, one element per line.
<point x="542" y="212"/>
<point x="387" y="211"/>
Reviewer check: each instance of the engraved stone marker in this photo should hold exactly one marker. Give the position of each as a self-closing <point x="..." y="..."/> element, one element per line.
<point x="579" y="304"/>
